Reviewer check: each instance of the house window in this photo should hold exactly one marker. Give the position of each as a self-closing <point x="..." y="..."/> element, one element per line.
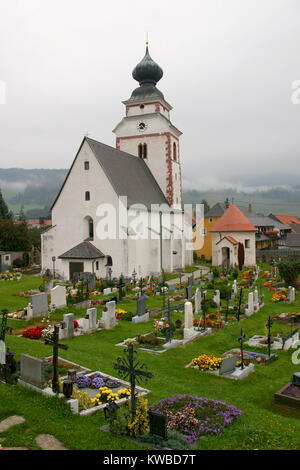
<point x="247" y="243"/>
<point x="7" y="258"/>
<point x="140" y="150"/>
<point x="210" y="219"/>
<point x="97" y="265"/>
<point x="87" y="196"/>
<point x="86" y="165"/>
<point x="203" y="232"/>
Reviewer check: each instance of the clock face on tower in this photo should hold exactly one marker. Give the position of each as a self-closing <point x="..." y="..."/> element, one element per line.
<point x="141" y="126"/>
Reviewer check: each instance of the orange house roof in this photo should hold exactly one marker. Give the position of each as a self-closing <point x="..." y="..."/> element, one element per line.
<point x="233" y="220"/>
<point x="287" y="219"/>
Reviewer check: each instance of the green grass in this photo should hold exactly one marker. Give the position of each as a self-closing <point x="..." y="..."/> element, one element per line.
<point x="262" y="426"/>
<point x="8" y="288"/>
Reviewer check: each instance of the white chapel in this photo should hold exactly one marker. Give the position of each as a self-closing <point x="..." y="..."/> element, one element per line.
<point x="122" y="207"/>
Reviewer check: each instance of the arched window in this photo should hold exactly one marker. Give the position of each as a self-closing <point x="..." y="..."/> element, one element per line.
<point x="140" y="150"/>
<point x="174" y="152"/>
<point x="145" y="151"/>
<point x="91" y="229"/>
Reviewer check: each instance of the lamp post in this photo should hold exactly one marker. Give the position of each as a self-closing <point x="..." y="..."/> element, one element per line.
<point x="53" y="260"/>
<point x="134" y="274"/>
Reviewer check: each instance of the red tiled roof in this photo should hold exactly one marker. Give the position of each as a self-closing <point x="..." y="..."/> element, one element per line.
<point x="287" y="219"/>
<point x="230" y="239"/>
<point x="233" y="220"/>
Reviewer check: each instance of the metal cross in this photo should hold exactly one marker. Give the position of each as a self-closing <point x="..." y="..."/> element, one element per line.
<point x="227" y="303"/>
<point x="4" y="328"/>
<point x="129" y="367"/>
<point x="203" y="312"/>
<point x="240" y="303"/>
<point x="269" y="339"/>
<point x="169" y="332"/>
<point x="241" y="341"/>
<point x="56" y="345"/>
<point x="120" y="286"/>
<point x="134" y="274"/>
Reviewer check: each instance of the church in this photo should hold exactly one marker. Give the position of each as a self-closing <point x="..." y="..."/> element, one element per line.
<point x="121" y="208"/>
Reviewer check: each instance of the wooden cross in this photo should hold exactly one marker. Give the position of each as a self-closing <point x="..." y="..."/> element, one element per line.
<point x="203" y="312"/>
<point x="56" y="345"/>
<point x="227" y="302"/>
<point x="136" y="371"/>
<point x="241" y="341"/>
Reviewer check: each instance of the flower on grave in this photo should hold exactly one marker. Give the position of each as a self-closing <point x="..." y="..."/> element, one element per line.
<point x="76" y="324"/>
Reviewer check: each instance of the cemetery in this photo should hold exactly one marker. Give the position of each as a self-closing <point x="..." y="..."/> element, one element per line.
<point x="199" y="323"/>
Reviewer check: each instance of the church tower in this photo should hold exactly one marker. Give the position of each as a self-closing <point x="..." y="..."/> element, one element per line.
<point x="147" y="132"/>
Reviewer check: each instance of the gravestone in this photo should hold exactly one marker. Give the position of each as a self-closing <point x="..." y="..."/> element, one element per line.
<point x="2" y="353"/>
<point x="171" y="288"/>
<point x="67" y="328"/>
<point x="210" y="276"/>
<point x="188" y="330"/>
<point x="234" y="289"/>
<point x="31" y="371"/>
<point x="217" y="297"/>
<point x="58" y="296"/>
<point x="38" y="305"/>
<point x="92" y="315"/>
<point x="228" y="365"/>
<point x="107" y="291"/>
<point x="255" y="301"/>
<point x="249" y="311"/>
<point x="198" y="301"/>
<point x="108" y="320"/>
<point x="189" y="292"/>
<point x="88" y="277"/>
<point x="142" y="314"/>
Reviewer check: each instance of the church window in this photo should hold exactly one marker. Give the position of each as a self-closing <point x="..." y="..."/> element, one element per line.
<point x="145" y="151"/>
<point x="142" y="106"/>
<point x="97" y="265"/>
<point x="210" y="219"/>
<point x="174" y="152"/>
<point x="87" y="196"/>
<point x="247" y="243"/>
<point x="86" y="165"/>
<point x="91" y="229"/>
<point x="141" y="150"/>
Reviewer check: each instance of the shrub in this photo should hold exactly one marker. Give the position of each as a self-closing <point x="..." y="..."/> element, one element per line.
<point x="118" y="426"/>
<point x="289" y="271"/>
<point x="83" y="398"/>
<point x="140" y="423"/>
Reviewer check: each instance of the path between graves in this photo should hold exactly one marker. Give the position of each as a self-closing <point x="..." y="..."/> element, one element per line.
<point x="44" y="441"/>
<point x="202" y="270"/>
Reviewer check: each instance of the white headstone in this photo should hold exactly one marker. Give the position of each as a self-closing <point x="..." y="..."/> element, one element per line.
<point x="2" y="353"/>
<point x="107" y="291"/>
<point x="39" y="304"/>
<point x="188" y="330"/>
<point x="92" y="313"/>
<point x="249" y="311"/>
<point x="69" y="325"/>
<point x="255" y="300"/>
<point x="217" y="297"/>
<point x="198" y="301"/>
<point x="58" y="296"/>
<point x="108" y="320"/>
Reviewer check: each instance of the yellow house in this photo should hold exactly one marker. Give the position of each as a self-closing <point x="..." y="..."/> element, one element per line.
<point x="202" y="234"/>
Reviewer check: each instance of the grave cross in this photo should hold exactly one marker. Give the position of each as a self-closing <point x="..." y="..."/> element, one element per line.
<point x="134" y="274"/>
<point x="136" y="371"/>
<point x="241" y="341"/>
<point x="120" y="286"/>
<point x="240" y="303"/>
<point x="227" y="302"/>
<point x="4" y="328"/>
<point x="269" y="339"/>
<point x="56" y="345"/>
<point x="169" y="332"/>
<point x="203" y="312"/>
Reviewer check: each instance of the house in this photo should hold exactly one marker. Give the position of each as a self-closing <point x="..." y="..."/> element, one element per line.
<point x="122" y="207"/>
<point x="202" y="232"/>
<point x="7" y="258"/>
<point x="233" y="239"/>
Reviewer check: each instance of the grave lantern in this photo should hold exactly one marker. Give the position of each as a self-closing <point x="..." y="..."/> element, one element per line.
<point x="67" y="388"/>
<point x="110" y="410"/>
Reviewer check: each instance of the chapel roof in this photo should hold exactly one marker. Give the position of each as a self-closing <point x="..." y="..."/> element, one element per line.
<point x="84" y="250"/>
<point x="233" y="220"/>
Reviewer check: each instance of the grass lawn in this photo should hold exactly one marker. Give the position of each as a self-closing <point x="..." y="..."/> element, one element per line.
<point x="8" y="288"/>
<point x="262" y="426"/>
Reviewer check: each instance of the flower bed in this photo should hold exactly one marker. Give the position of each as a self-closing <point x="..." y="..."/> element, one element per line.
<point x="289" y="396"/>
<point x="34" y="333"/>
<point x="196" y="416"/>
<point x="205" y="362"/>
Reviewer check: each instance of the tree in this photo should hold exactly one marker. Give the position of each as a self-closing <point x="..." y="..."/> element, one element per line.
<point x="14" y="236"/>
<point x="289" y="271"/>
<point x="5" y="213"/>
<point x="206" y="206"/>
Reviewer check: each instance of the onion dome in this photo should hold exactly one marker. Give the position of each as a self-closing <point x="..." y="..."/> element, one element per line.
<point x="147" y="73"/>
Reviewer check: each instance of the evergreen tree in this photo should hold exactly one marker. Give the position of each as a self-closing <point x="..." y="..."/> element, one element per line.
<point x="5" y="213"/>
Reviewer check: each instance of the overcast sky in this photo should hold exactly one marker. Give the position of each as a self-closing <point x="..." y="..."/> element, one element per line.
<point x="228" y="68"/>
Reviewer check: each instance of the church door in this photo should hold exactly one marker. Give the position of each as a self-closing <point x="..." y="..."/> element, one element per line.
<point x="75" y="268"/>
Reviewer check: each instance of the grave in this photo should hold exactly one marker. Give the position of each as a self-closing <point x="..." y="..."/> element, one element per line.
<point x="280" y="343"/>
<point x="58" y="297"/>
<point x="142" y="313"/>
<point x="66" y="329"/>
<point x="88" y="277"/>
<point x="217" y="297"/>
<point x="108" y="320"/>
<point x="198" y="308"/>
<point x="32" y="372"/>
<point x="249" y="311"/>
<point x="38" y="306"/>
<point x="107" y="291"/>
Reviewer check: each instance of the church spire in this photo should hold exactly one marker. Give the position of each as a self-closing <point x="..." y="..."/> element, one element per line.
<point x="147" y="73"/>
